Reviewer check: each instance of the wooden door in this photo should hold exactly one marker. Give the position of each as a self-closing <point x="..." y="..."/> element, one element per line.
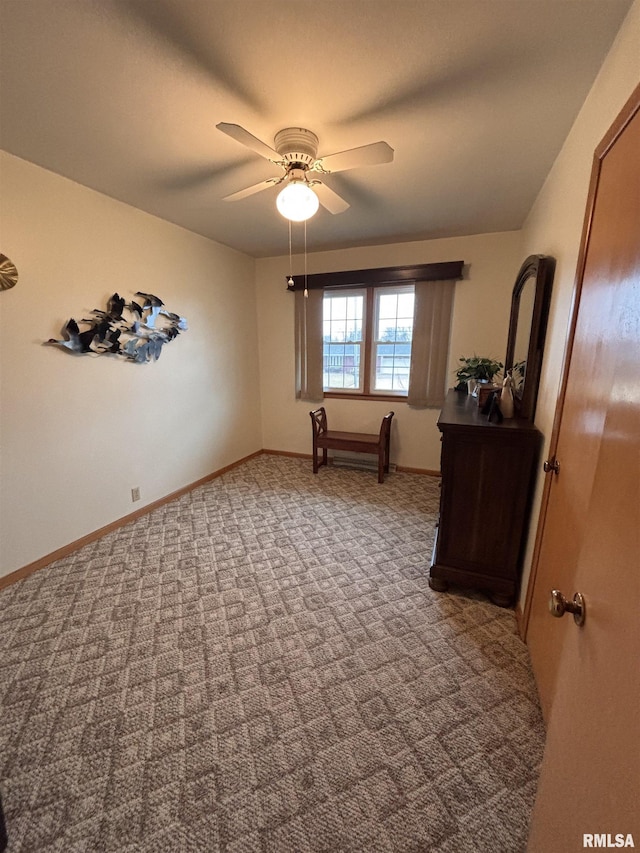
<point x="589" y="538"/>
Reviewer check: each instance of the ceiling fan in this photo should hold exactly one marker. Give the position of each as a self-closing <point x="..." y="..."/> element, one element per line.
<point x="295" y="151"/>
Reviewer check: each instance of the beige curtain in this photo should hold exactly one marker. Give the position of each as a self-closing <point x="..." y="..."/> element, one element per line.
<point x="430" y="347"/>
<point x="308" y="332"/>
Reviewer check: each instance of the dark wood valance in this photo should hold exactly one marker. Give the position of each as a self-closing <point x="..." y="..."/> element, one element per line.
<point x="381" y="276"/>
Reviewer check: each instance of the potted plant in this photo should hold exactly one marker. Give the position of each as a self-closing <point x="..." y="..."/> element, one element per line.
<point x="476" y="370"/>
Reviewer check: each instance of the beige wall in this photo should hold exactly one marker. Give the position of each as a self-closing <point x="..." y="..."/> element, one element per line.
<point x="554" y="225"/>
<point x="480" y="324"/>
<point x="78" y="432"/>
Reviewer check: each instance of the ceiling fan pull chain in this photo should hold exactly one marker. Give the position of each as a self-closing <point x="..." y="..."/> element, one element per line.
<point x="290" y="282"/>
<point x="306" y="292"/>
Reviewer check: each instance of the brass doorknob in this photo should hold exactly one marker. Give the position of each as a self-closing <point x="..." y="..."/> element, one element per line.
<point x="559" y="605"/>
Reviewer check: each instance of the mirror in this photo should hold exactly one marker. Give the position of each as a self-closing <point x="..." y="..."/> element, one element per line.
<point x="527" y="330"/>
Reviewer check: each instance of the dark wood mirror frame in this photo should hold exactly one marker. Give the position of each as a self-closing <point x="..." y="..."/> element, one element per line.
<point x="540" y="269"/>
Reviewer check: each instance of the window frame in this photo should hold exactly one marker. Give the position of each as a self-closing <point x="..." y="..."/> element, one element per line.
<point x="356" y="291"/>
<point x="374" y="341"/>
<point x="369" y="341"/>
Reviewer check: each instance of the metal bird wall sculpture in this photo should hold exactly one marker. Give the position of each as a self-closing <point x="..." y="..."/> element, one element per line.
<point x="136" y="331"/>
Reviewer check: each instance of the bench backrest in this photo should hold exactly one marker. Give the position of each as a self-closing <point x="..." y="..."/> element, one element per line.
<point x="385" y="427"/>
<point x="319" y="424"/>
<point x="319" y="421"/>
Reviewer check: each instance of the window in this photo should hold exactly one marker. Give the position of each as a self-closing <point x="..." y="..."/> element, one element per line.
<point x="367" y="334"/>
<point x="343" y="338"/>
<point x="378" y="333"/>
<point x="393" y="311"/>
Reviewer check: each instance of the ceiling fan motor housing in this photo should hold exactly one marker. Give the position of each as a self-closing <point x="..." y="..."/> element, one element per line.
<point x="296" y="145"/>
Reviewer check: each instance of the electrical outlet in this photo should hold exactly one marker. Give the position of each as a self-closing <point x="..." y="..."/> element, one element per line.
<point x="135" y="493"/>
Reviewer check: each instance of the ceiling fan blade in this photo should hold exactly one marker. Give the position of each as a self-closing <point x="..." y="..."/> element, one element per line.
<point x="245" y="138"/>
<point x="256" y="188"/>
<point x="367" y="155"/>
<point x="328" y="198"/>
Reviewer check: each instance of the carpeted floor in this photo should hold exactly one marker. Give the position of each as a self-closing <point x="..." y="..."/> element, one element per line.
<point x="261" y="667"/>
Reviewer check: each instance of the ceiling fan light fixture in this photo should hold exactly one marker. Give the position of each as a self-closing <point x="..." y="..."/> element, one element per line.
<point x="297" y="201"/>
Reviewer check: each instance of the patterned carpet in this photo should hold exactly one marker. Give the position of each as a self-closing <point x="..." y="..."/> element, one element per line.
<point x="261" y="667"/>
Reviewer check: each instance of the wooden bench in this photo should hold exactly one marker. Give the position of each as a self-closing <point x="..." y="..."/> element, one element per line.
<point x="357" y="442"/>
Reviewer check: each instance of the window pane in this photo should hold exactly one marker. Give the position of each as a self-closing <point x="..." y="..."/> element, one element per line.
<point x="341" y="366"/>
<point x="336" y="308"/>
<point x="342" y="336"/>
<point x="354" y="307"/>
<point x="394" y="331"/>
<point x="395" y="316"/>
<point x="392" y="367"/>
<point x="405" y="306"/>
<point x="343" y="318"/>
<point x="387" y="306"/>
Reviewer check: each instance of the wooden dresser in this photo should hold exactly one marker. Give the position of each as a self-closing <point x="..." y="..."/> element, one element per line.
<point x="487" y="479"/>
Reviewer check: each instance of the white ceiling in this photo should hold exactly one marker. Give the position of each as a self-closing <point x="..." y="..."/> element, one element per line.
<point x="475" y="97"/>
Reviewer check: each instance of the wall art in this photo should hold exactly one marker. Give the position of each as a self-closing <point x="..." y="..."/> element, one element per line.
<point x="8" y="273"/>
<point x="135" y="330"/>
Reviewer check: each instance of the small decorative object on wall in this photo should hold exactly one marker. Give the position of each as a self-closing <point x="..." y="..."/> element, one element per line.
<point x="136" y="331"/>
<point x="8" y="273"/>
